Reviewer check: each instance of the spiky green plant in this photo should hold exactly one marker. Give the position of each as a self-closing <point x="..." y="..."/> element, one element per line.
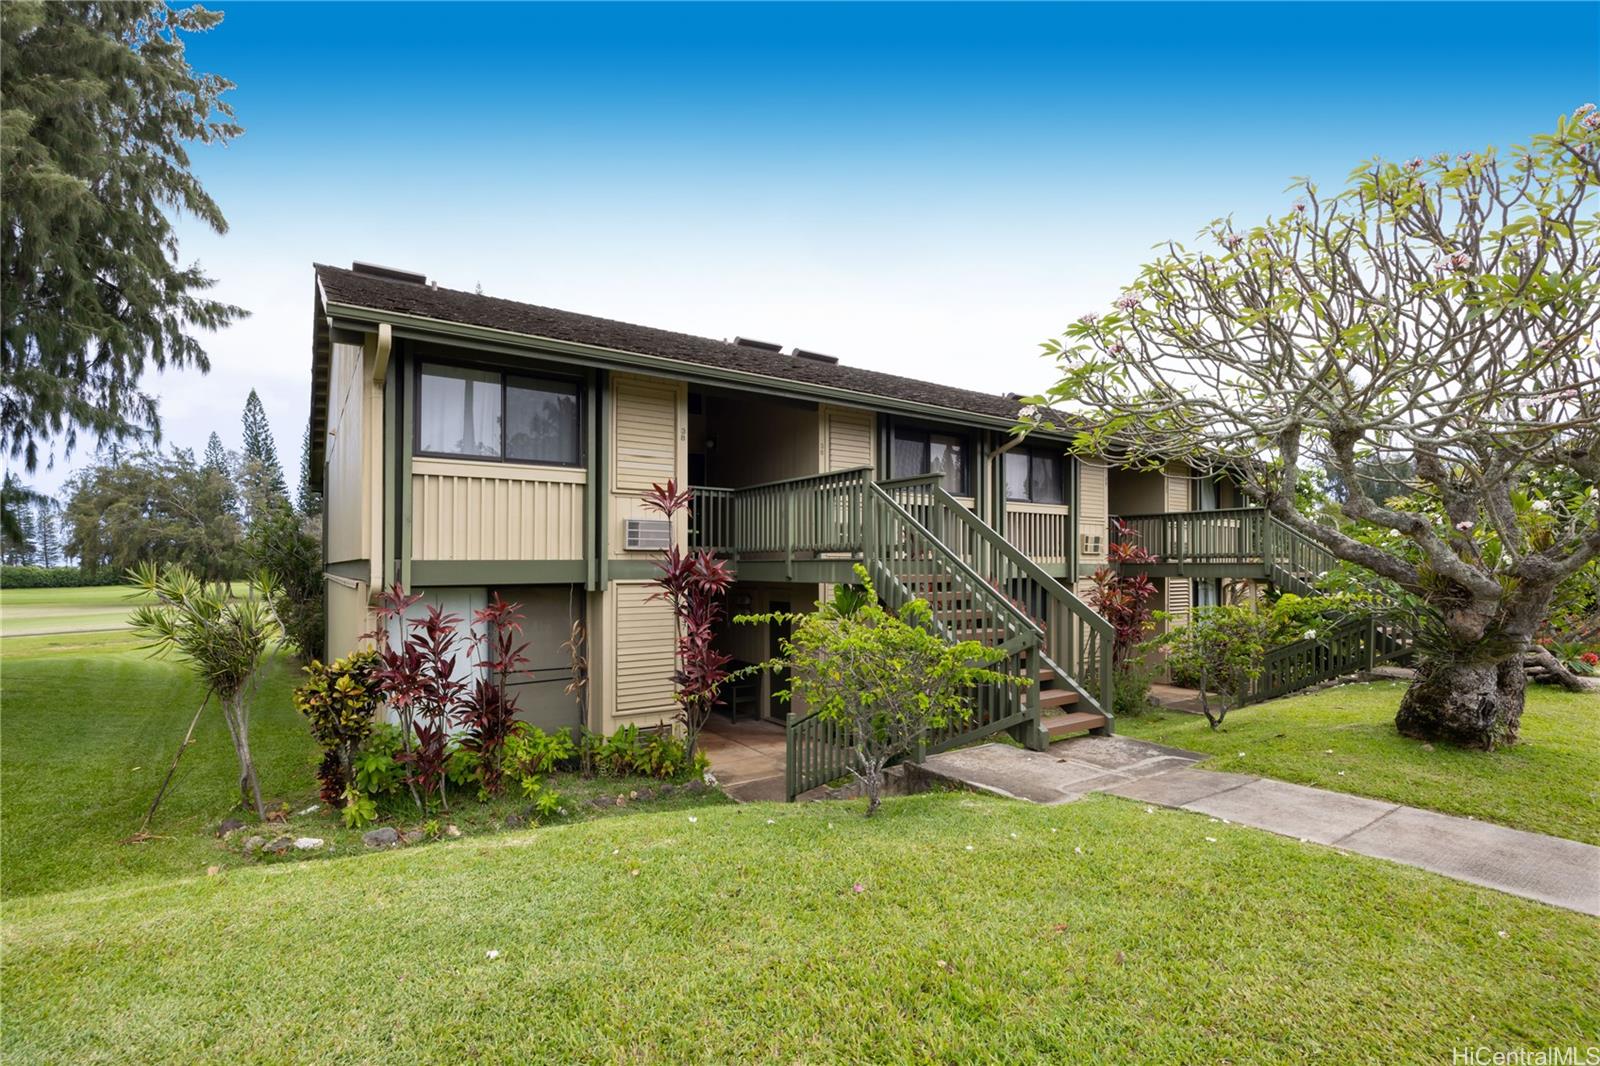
<point x="223" y="638"/>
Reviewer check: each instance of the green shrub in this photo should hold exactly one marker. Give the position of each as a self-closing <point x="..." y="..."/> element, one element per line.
<point x="1222" y="647"/>
<point x="375" y="768"/>
<point x="54" y="577"/>
<point x="1130" y="691"/>
<point x="341" y="701"/>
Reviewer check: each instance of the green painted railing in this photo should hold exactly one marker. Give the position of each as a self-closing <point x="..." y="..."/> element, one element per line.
<point x="1235" y="535"/>
<point x="1346" y="647"/>
<point x="1077" y="640"/>
<point x="818" y="513"/>
<point x="906" y="562"/>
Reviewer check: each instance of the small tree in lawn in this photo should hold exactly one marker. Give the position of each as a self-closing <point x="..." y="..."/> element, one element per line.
<point x="488" y="710"/>
<point x="1223" y="646"/>
<point x="694" y="584"/>
<point x="886" y="678"/>
<point x="224" y="639"/>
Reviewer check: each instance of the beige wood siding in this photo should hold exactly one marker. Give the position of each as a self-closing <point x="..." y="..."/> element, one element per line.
<point x="645" y="431"/>
<point x="649" y="445"/>
<point x="1177" y="489"/>
<point x="465" y="510"/>
<point x="349" y="616"/>
<point x="347" y="482"/>
<point x="1179" y="593"/>
<point x="847" y="438"/>
<point x="641" y="648"/>
<point x="1092" y="514"/>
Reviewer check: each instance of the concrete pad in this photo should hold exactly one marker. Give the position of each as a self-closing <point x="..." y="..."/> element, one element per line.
<point x="1118" y="753"/>
<point x="1160" y="765"/>
<point x="757" y="790"/>
<point x="1553" y="870"/>
<point x="1015" y="772"/>
<point x="1177" y="787"/>
<point x="1293" y="810"/>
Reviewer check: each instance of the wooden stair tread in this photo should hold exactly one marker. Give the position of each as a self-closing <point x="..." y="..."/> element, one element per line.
<point x="1060" y="725"/>
<point x="1057" y="697"/>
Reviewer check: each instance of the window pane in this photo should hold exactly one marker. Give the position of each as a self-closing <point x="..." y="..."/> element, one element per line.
<point x="541" y="421"/>
<point x="947" y="456"/>
<point x="910" y="456"/>
<point x="1016" y="475"/>
<point x="1044" y="481"/>
<point x="460" y="411"/>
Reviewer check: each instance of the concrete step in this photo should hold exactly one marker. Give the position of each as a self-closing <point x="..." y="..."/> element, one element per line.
<point x="1064" y="725"/>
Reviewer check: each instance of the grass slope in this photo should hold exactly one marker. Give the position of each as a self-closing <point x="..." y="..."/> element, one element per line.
<point x="1547" y="783"/>
<point x="985" y="931"/>
<point x="34" y="611"/>
<point x="89" y="733"/>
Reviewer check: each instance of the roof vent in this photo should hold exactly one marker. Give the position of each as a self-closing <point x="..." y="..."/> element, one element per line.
<point x="816" y="357"/>
<point x="389" y="273"/>
<point x="1012" y="396"/>
<point x="765" y="346"/>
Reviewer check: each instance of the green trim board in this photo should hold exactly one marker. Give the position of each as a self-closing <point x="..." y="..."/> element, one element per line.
<point x="354" y="569"/>
<point x="426" y="573"/>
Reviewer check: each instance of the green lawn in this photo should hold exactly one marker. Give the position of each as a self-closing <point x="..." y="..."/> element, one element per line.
<point x="692" y="931"/>
<point x="1344" y="739"/>
<point x="33" y="611"/>
<point x="1167" y="937"/>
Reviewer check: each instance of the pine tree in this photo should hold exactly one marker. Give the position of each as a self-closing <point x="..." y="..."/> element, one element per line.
<point x="100" y="106"/>
<point x="20" y="548"/>
<point x="310" y="499"/>
<point x="261" y="484"/>
<point x="217" y="456"/>
<point x="46" y="537"/>
<point x="218" y="466"/>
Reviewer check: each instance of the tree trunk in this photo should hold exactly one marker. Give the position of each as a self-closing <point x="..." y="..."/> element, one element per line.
<point x="1475" y="705"/>
<point x="239" y="727"/>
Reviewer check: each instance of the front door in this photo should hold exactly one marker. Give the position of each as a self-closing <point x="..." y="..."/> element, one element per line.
<point x="779" y="679"/>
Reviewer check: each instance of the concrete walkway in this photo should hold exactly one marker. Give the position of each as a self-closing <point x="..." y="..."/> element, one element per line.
<point x="747" y="757"/>
<point x="1553" y="870"/>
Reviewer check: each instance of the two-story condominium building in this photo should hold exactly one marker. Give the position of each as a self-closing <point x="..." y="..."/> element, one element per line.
<point x="469" y="445"/>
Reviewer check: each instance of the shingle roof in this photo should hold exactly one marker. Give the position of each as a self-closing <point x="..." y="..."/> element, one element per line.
<point x="363" y="290"/>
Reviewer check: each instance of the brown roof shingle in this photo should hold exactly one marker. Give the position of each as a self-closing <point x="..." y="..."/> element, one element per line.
<point x="356" y="289"/>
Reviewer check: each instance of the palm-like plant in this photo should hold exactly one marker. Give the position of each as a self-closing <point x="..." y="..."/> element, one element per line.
<point x="223" y="639"/>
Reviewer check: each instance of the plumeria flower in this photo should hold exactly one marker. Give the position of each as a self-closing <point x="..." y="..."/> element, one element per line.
<point x="1501" y="933"/>
<point x="1089" y="319"/>
<point x="491" y="954"/>
<point x="1414" y="165"/>
<point x="693" y="819"/>
<point x="1211" y="840"/>
<point x="1311" y="634"/>
<point x="969" y="847"/>
<point x="1299" y="207"/>
<point x="858" y="888"/>
<point x="1127" y="302"/>
<point x="1029" y="413"/>
<point x="1591" y="120"/>
<point x="1117" y="348"/>
<point x="1540" y="505"/>
<point x="1583" y="109"/>
<point x="1149" y="810"/>
<point x="1231" y="241"/>
<point x="1465" y="527"/>
<point x="1327" y="751"/>
<point x="772" y="821"/>
<point x="1463" y="157"/>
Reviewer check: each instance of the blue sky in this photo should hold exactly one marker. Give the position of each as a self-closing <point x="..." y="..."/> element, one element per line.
<point x="928" y="190"/>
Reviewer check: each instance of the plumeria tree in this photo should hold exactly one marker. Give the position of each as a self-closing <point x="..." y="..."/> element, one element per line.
<point x="1435" y="319"/>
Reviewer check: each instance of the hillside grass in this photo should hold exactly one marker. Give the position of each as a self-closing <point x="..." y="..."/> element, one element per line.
<point x="1344" y="739"/>
<point x="982" y="930"/>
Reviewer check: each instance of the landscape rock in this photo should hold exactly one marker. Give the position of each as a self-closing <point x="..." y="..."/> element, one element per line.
<point x="515" y="821"/>
<point x="229" y="825"/>
<point x="602" y="801"/>
<point x="278" y="845"/>
<point x="645" y="794"/>
<point x="254" y="844"/>
<point x="412" y="836"/>
<point x="451" y="831"/>
<point x="664" y="791"/>
<point x="384" y="837"/>
<point x="692" y="787"/>
<point x="307" y="843"/>
<point x="621" y="800"/>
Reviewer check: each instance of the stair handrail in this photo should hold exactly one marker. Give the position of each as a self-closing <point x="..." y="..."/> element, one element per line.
<point x="1022" y="622"/>
<point x="1070" y="601"/>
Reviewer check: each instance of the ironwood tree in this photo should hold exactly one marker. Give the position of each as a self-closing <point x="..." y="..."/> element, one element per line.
<point x="100" y="105"/>
<point x="1432" y="324"/>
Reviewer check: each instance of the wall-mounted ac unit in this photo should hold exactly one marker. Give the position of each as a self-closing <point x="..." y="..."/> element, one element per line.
<point x="648" y="535"/>
<point x="1091" y="544"/>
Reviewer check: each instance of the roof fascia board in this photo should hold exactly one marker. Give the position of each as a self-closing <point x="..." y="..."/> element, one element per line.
<point x="418" y="327"/>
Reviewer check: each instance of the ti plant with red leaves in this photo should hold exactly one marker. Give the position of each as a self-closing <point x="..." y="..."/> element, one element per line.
<point x="418" y="678"/>
<point x="488" y="711"/>
<point x="1125" y="599"/>
<point x="694" y="584"/>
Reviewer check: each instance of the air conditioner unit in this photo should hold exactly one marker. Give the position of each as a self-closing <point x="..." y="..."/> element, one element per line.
<point x="1091" y="544"/>
<point x="648" y="535"/>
